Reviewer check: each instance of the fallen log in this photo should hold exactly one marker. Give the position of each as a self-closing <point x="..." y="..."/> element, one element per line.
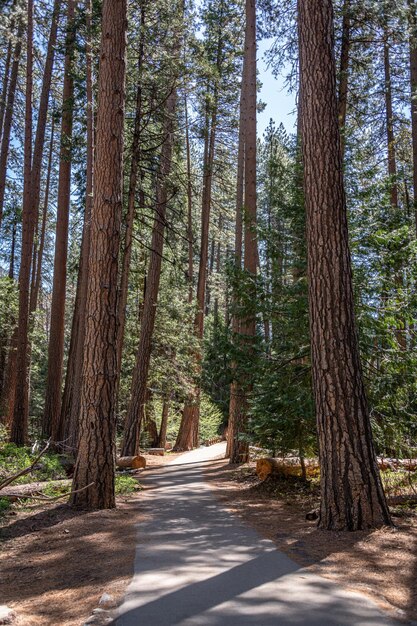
<point x="156" y="451"/>
<point x="29" y="490"/>
<point x="134" y="462"/>
<point x="273" y="467"/>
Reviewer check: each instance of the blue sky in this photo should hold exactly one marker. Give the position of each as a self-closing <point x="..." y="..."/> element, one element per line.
<point x="280" y="104"/>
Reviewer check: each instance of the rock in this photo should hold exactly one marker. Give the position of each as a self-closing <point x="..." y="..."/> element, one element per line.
<point x="312" y="515"/>
<point x="7" y="615"/>
<point x="107" y="601"/>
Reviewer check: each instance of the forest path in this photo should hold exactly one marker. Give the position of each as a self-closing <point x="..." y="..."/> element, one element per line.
<point x="199" y="565"/>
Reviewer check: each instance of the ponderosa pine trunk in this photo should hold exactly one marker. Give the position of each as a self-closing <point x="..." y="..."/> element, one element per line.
<point x="352" y="497"/>
<point x="234" y="399"/>
<point x="8" y="115"/>
<point x="131" y="202"/>
<point x="239" y="452"/>
<point x="162" y="437"/>
<point x="52" y="410"/>
<point x="71" y="399"/>
<point x="412" y="17"/>
<point x="6" y="77"/>
<point x="344" y="72"/>
<point x="188" y="433"/>
<point x="31" y="196"/>
<point x="190" y="236"/>
<point x="38" y="259"/>
<point x="391" y="149"/>
<point x="136" y="410"/>
<point x="19" y="421"/>
<point x="96" y="450"/>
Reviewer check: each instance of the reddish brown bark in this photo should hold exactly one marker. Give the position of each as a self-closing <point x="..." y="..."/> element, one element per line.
<point x="239" y="449"/>
<point x="187" y="437"/>
<point x="412" y="16"/>
<point x="95" y="461"/>
<point x="136" y="410"/>
<point x="234" y="399"/>
<point x="51" y="415"/>
<point x="344" y="72"/>
<point x="190" y="235"/>
<point x="162" y="438"/>
<point x="3" y="97"/>
<point x="5" y="139"/>
<point x="70" y="410"/>
<point x="392" y="160"/>
<point x="130" y="217"/>
<point x="19" y="422"/>
<point x="352" y="496"/>
<point x="38" y="257"/>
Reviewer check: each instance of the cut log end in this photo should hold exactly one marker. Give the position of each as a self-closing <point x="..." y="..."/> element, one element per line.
<point x="131" y="462"/>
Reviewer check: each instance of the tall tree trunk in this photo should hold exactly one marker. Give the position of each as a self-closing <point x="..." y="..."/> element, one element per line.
<point x="52" y="410"/>
<point x="190" y="236"/>
<point x="71" y="399"/>
<point x="130" y="217"/>
<point x="412" y="13"/>
<point x="187" y="438"/>
<point x="3" y="97"/>
<point x="234" y="399"/>
<point x="239" y="452"/>
<point x="344" y="73"/>
<point x="95" y="460"/>
<point x="352" y="496"/>
<point x="162" y="438"/>
<point x="392" y="160"/>
<point x="19" y="422"/>
<point x="136" y="410"/>
<point x="5" y="139"/>
<point x="38" y="260"/>
<point x="31" y="194"/>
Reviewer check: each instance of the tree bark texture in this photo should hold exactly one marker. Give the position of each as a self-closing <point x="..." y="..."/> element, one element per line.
<point x="52" y="410"/>
<point x="239" y="448"/>
<point x="38" y="261"/>
<point x="413" y="83"/>
<point x="70" y="409"/>
<point x="352" y="496"/>
<point x="96" y="451"/>
<point x="130" y="217"/>
<point x="233" y="402"/>
<point x="8" y="115"/>
<point x="19" y="422"/>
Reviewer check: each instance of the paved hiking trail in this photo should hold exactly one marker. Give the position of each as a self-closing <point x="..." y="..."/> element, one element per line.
<point x="199" y="565"/>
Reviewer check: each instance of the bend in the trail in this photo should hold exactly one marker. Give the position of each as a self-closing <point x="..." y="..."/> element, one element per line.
<point x="199" y="565"/>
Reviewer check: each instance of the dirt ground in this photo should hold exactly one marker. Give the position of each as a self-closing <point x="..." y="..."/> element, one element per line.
<point x="55" y="563"/>
<point x="381" y="563"/>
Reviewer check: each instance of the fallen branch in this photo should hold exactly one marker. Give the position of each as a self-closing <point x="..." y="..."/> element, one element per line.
<point x="7" y="481"/>
<point x="44" y="499"/>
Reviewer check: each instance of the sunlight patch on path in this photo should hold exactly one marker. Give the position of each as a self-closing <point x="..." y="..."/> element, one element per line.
<point x="198" y="565"/>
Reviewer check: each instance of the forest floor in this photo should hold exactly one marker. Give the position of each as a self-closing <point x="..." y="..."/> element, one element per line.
<point x="55" y="562"/>
<point x="381" y="564"/>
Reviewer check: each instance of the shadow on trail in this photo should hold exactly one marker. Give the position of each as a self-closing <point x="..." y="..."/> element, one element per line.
<point x="197" y="564"/>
